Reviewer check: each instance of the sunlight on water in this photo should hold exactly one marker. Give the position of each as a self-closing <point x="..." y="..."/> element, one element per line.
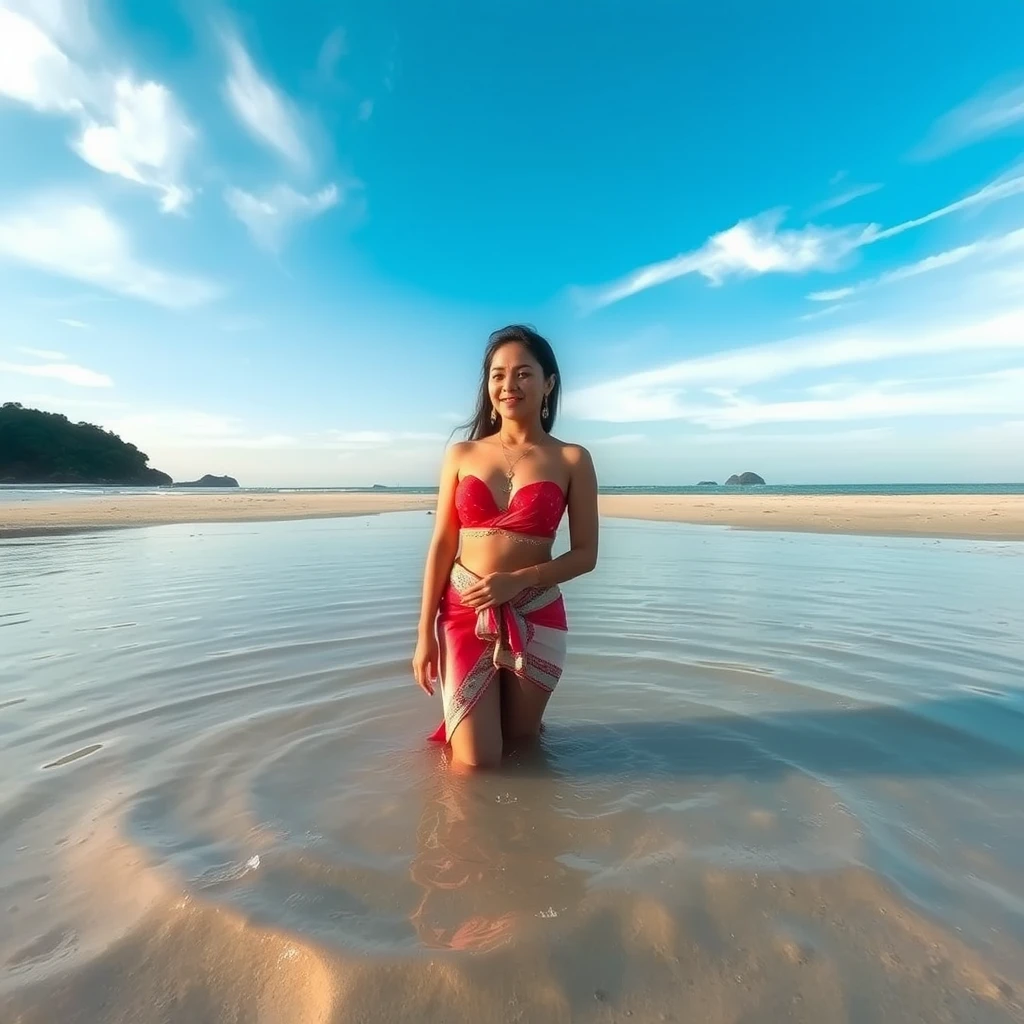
<point x="772" y="756"/>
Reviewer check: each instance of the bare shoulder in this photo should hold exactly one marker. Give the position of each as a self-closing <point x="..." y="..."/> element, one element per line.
<point x="576" y="460"/>
<point x="575" y="455"/>
<point x="458" y="451"/>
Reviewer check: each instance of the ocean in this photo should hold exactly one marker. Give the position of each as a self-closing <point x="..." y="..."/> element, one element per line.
<point x="56" y="492"/>
<point x="781" y="779"/>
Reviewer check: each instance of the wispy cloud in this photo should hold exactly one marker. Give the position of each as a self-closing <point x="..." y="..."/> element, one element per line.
<point x="66" y="21"/>
<point x="134" y="130"/>
<point x="832" y="295"/>
<point x="333" y="48"/>
<point x="193" y="428"/>
<point x="44" y="353"/>
<point x="758" y="246"/>
<point x="69" y="373"/>
<point x="683" y="390"/>
<point x="843" y="198"/>
<point x="270" y="216"/>
<point x="362" y="440"/>
<point x="819" y="314"/>
<point x="34" y="70"/>
<point x="82" y="241"/>
<point x="984" y="248"/>
<point x="997" y="393"/>
<point x="750" y="247"/>
<point x="365" y="110"/>
<point x="1003" y="188"/>
<point x="996" y="109"/>
<point x="79" y="325"/>
<point x="264" y="111"/>
<point x="619" y="439"/>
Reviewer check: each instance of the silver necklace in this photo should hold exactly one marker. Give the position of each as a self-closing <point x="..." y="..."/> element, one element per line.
<point x="511" y="467"/>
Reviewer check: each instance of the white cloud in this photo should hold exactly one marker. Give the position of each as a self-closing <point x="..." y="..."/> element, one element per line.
<point x="666" y="393"/>
<point x="144" y="141"/>
<point x="66" y="21"/>
<point x="994" y="110"/>
<point x="334" y="47"/>
<point x="270" y="216"/>
<point x="195" y="429"/>
<point x="834" y="295"/>
<point x="69" y="373"/>
<point x="818" y="314"/>
<point x="81" y="241"/>
<point x="984" y="248"/>
<point x="129" y="129"/>
<point x="989" y="394"/>
<point x="33" y="69"/>
<point x="1004" y="188"/>
<point x="365" y="110"/>
<point x="263" y="110"/>
<point x="755" y="246"/>
<point x="44" y="353"/>
<point x="77" y="324"/>
<point x="844" y="197"/>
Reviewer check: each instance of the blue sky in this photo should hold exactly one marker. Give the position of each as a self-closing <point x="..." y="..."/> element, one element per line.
<point x="270" y="240"/>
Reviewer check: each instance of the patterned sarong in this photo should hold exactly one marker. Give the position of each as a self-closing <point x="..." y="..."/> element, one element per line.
<point x="526" y="636"/>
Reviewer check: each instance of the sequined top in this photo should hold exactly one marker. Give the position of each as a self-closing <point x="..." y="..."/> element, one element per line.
<point x="535" y="509"/>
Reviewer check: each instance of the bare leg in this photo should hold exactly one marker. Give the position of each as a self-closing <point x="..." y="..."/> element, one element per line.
<point x="477" y="742"/>
<point x="522" y="708"/>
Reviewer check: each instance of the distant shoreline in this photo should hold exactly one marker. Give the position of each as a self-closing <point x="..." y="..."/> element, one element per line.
<point x="969" y="516"/>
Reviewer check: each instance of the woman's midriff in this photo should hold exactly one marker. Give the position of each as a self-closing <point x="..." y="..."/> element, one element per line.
<point x="502" y="552"/>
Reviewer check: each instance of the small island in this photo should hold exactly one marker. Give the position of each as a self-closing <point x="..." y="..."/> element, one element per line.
<point x="744" y="479"/>
<point x="210" y="481"/>
<point x="707" y="483"/>
<point x="39" y="447"/>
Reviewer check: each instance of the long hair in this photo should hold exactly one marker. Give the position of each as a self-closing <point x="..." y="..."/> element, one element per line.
<point x="480" y="425"/>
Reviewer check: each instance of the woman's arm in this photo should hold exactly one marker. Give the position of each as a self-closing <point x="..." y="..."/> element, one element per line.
<point x="444" y="545"/>
<point x="583" y="528"/>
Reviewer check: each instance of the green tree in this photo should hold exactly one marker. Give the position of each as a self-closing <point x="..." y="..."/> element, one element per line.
<point x="46" y="447"/>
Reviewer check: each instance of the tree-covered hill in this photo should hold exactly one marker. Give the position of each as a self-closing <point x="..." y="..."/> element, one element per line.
<point x="47" y="448"/>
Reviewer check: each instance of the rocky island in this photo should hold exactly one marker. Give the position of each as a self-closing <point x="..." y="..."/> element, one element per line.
<point x="47" y="448"/>
<point x="210" y="481"/>
<point x="745" y="479"/>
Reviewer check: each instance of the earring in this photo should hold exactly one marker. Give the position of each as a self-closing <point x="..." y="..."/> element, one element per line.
<point x="544" y="409"/>
<point x="494" y="416"/>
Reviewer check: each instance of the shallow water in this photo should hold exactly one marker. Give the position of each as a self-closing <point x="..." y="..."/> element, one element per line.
<point x="782" y="779"/>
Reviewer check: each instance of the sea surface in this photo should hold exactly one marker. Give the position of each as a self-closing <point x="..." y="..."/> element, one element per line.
<point x="56" y="492"/>
<point x="782" y="779"/>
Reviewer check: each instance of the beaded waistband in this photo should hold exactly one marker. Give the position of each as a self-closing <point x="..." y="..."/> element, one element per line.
<point x="491" y="531"/>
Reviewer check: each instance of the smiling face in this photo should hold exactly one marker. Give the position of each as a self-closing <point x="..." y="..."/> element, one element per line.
<point x="516" y="383"/>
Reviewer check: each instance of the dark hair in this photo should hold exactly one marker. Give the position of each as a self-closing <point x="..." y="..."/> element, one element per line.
<point x="540" y="348"/>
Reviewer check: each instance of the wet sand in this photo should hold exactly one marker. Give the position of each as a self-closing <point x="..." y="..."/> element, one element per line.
<point x="953" y="515"/>
<point x="782" y="780"/>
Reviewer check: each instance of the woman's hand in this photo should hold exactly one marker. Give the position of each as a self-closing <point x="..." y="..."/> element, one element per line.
<point x="425" y="662"/>
<point x="489" y="591"/>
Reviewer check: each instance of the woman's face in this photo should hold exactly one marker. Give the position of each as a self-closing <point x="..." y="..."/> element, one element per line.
<point x="516" y="384"/>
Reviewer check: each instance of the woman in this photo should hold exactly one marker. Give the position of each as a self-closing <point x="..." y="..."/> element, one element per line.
<point x="492" y="621"/>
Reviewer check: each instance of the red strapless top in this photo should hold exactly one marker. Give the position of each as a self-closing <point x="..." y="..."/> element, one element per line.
<point x="535" y="509"/>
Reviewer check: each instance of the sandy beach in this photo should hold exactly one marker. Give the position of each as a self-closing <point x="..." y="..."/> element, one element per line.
<point x="996" y="517"/>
